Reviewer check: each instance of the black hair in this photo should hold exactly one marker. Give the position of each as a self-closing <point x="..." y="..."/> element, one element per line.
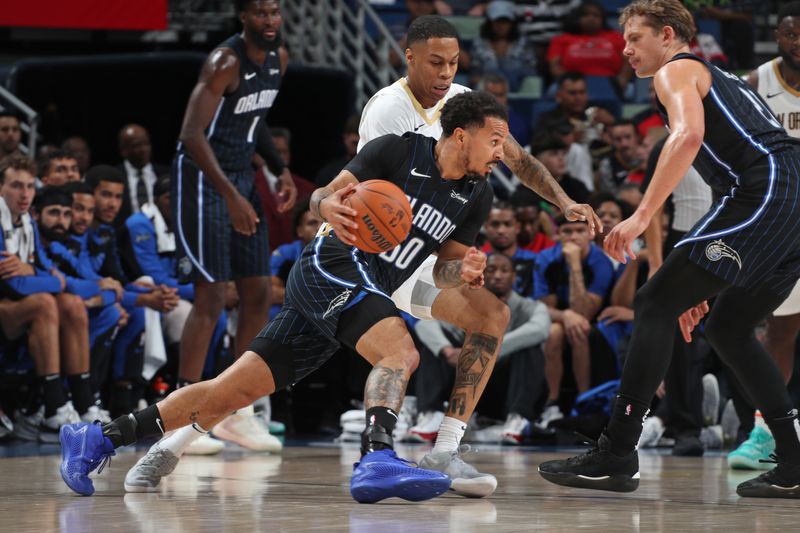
<point x="789" y="9"/>
<point x="544" y="142"/>
<point x="470" y="109"/>
<point x="498" y="254"/>
<point x="44" y="162"/>
<point x="562" y="219"/>
<point x="9" y="114"/>
<point x="602" y="197"/>
<point x="48" y="196"/>
<point x="487" y="34"/>
<point x="572" y="21"/>
<point x="501" y="205"/>
<point x="524" y="197"/>
<point x="351" y="124"/>
<point x="626" y="122"/>
<point x="78" y="187"/>
<point x="99" y="173"/>
<point x="570" y="76"/>
<point x="493" y="77"/>
<point x="283" y="133"/>
<point x="299" y="210"/>
<point x="430" y="27"/>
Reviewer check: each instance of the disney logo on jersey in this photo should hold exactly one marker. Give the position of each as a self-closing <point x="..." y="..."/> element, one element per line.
<point x="454" y="195"/>
<point x="255" y="101"/>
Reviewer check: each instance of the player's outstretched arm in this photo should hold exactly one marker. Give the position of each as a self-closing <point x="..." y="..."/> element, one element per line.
<point x="457" y="264"/>
<point x="677" y="85"/>
<point x="535" y="176"/>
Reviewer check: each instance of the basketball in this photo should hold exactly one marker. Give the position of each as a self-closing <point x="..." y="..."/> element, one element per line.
<point x="384" y="215"/>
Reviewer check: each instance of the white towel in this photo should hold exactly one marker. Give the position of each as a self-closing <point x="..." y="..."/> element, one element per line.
<point x="165" y="239"/>
<point x="20" y="243"/>
<point x="155" y="353"/>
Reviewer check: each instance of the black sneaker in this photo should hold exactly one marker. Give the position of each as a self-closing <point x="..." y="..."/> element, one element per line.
<point x="688" y="445"/>
<point x="783" y="481"/>
<point x="597" y="469"/>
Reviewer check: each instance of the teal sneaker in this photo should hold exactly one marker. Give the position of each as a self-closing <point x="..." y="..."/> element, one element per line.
<point x="759" y="446"/>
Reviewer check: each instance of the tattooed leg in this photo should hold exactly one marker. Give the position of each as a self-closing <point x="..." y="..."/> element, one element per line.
<point x="474" y="367"/>
<point x="386" y="384"/>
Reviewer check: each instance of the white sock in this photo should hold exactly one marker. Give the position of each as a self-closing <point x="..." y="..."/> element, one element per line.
<point x="180" y="439"/>
<point x="450" y="432"/>
<point x="761" y="423"/>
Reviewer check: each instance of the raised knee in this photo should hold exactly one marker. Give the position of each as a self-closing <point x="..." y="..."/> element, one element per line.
<point x="73" y="308"/>
<point x="46" y="307"/>
<point x="410" y="359"/>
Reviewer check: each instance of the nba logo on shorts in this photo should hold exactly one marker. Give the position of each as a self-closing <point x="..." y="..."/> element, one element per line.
<point x="628" y="410"/>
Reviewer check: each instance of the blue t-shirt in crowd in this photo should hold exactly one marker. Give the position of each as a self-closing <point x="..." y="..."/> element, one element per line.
<point x="552" y="274"/>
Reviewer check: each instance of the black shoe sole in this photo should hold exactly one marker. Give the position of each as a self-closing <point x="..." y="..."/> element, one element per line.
<point x="769" y="491"/>
<point x="618" y="483"/>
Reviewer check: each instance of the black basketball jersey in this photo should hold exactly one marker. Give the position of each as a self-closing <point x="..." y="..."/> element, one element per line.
<point x="232" y="132"/>
<point x="740" y="131"/>
<point x="442" y="209"/>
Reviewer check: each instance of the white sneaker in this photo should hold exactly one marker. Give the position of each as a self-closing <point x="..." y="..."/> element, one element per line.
<point x="465" y="478"/>
<point x="550" y="414"/>
<point x="66" y="414"/>
<point x="515" y="428"/>
<point x="652" y="431"/>
<point x="711" y="437"/>
<point x="247" y="432"/>
<point x="146" y="474"/>
<point x="405" y="418"/>
<point x="710" y="399"/>
<point x="205" y="445"/>
<point x="96" y="413"/>
<point x="427" y="428"/>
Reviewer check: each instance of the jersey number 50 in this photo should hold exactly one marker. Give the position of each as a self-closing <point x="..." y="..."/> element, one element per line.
<point x="402" y="254"/>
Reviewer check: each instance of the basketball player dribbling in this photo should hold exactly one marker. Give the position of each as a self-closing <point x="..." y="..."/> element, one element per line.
<point x="745" y="251"/>
<point x="413" y="104"/>
<point x="337" y="294"/>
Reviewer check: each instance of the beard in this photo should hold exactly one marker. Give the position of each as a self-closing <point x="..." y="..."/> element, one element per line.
<point x="268" y="45"/>
<point x="787" y="58"/>
<point x="54" y="234"/>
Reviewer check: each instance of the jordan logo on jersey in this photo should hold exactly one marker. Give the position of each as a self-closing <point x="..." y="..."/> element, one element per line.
<point x="255" y="101"/>
<point x="717" y="250"/>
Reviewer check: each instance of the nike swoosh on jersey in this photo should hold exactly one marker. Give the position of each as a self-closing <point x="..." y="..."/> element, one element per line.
<point x="415" y="173"/>
<point x="274" y="71"/>
<point x="250" y="76"/>
<point x="774" y="95"/>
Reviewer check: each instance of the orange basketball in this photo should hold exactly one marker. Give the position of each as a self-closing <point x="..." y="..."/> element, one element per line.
<point x="384" y="215"/>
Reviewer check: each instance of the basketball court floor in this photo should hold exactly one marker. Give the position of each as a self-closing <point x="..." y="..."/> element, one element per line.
<point x="306" y="489"/>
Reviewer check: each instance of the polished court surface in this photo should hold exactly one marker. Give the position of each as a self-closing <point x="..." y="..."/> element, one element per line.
<point x="306" y="489"/>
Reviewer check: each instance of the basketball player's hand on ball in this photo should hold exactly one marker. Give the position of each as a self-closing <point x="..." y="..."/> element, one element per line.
<point x="619" y="240"/>
<point x="337" y="212"/>
<point x="690" y="318"/>
<point x="242" y="215"/>
<point x="584" y="213"/>
<point x="288" y="193"/>
<point x="472" y="267"/>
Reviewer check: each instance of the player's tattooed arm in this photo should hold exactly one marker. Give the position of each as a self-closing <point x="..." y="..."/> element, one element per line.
<point x="385" y="387"/>
<point x="534" y="174"/>
<point x="447" y="274"/>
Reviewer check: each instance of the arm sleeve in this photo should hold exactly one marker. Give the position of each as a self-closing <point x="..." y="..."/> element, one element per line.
<point x="541" y="287"/>
<point x="379" y="158"/>
<point x="145" y="250"/>
<point x="467" y="231"/>
<point x="266" y="149"/>
<point x="530" y="333"/>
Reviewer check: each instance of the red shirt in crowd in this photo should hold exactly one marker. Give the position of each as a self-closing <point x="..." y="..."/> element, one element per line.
<point x="591" y="55"/>
<point x="280" y="225"/>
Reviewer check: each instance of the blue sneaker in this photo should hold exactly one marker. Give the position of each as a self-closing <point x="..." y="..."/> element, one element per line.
<point x="83" y="448"/>
<point x="381" y="474"/>
<point x="757" y="448"/>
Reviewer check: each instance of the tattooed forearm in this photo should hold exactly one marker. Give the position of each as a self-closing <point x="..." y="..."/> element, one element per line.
<point x="447" y="274"/>
<point x="533" y="174"/>
<point x="385" y="387"/>
<point x="473" y="369"/>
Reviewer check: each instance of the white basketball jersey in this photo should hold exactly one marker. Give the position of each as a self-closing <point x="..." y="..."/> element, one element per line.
<point x="394" y="109"/>
<point x="781" y="99"/>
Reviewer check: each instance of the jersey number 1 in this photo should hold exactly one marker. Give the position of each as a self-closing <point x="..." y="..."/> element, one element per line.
<point x="252" y="129"/>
